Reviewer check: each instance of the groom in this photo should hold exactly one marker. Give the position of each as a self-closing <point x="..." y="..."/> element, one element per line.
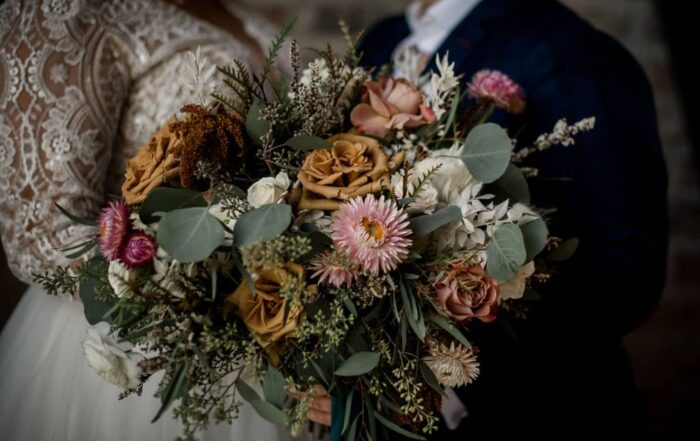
<point x="567" y="372"/>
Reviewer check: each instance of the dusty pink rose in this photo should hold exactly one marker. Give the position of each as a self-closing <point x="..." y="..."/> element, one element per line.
<point x="467" y="292"/>
<point x="138" y="251"/>
<point x="390" y="103"/>
<point x="497" y="87"/>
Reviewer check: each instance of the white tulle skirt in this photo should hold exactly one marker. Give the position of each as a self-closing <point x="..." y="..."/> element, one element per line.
<point x="48" y="392"/>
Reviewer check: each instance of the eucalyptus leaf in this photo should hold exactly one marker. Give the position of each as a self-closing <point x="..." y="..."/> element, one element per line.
<point x="248" y="393"/>
<point x="348" y="411"/>
<point x="82" y="250"/>
<point x="513" y="185"/>
<point x="274" y="387"/>
<point x="172" y="391"/>
<point x="269" y="412"/>
<point x="450" y="329"/>
<point x="190" y="234"/>
<point x="165" y="199"/>
<point x="506" y="252"/>
<point x="307" y="142"/>
<point x="77" y="219"/>
<point x="535" y="237"/>
<point x="95" y="309"/>
<point x="255" y="125"/>
<point x="426" y="224"/>
<point x="564" y="251"/>
<point x="430" y="378"/>
<point x="264" y="223"/>
<point x="487" y="152"/>
<point x="401" y="431"/>
<point x="358" y="364"/>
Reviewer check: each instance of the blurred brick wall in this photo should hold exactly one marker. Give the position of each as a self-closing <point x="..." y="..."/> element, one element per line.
<point x="665" y="351"/>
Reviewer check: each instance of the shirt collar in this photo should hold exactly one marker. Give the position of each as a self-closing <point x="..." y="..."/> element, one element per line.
<point x="430" y="29"/>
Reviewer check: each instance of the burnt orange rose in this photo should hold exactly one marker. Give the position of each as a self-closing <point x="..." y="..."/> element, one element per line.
<point x="354" y="166"/>
<point x="466" y="292"/>
<point x="263" y="312"/>
<point x="157" y="163"/>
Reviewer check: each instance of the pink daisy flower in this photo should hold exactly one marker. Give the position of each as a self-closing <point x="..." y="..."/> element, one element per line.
<point x="373" y="231"/>
<point x="114" y="225"/>
<point x="138" y="250"/>
<point x="333" y="268"/>
<point x="497" y="87"/>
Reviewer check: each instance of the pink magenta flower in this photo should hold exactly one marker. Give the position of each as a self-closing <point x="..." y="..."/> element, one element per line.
<point x="390" y="103"/>
<point x="114" y="225"/>
<point x="497" y="87"/>
<point x="373" y="231"/>
<point x="138" y="250"/>
<point x="334" y="268"/>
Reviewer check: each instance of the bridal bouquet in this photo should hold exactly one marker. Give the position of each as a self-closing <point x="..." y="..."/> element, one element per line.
<point x="340" y="227"/>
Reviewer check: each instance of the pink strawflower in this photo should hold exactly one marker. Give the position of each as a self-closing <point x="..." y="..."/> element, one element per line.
<point x="138" y="250"/>
<point x="334" y="268"/>
<point x="373" y="231"/>
<point x="114" y="225"/>
<point x="495" y="86"/>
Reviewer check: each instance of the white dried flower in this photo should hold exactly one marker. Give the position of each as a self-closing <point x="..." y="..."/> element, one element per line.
<point x="121" y="279"/>
<point x="202" y="76"/>
<point x="515" y="287"/>
<point x="114" y="360"/>
<point x="453" y="366"/>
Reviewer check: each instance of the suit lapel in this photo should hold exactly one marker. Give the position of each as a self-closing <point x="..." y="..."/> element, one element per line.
<point x="468" y="34"/>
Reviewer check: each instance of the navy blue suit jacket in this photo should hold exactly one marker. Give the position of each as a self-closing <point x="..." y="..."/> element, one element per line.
<point x="567" y="367"/>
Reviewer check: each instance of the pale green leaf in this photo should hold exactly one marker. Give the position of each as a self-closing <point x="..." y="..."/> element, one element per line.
<point x="190" y="234"/>
<point x="506" y="252"/>
<point x="487" y="152"/>
<point x="358" y="364"/>
<point x="264" y="223"/>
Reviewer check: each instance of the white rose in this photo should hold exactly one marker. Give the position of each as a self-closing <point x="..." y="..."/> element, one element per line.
<point x="113" y="360"/>
<point x="268" y="190"/>
<point x="121" y="279"/>
<point x="515" y="287"/>
<point x="451" y="178"/>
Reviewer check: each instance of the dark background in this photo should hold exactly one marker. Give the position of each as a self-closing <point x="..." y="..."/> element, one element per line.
<point x="666" y="350"/>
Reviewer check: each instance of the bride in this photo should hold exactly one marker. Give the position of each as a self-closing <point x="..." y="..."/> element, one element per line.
<point x="68" y="70"/>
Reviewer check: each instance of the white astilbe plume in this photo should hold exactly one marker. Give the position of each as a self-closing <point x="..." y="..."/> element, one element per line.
<point x="202" y="72"/>
<point x="563" y="134"/>
<point x="441" y="86"/>
<point x="409" y="65"/>
<point x="454" y="365"/>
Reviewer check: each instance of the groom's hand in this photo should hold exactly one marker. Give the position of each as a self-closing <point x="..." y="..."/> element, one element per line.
<point x="320" y="410"/>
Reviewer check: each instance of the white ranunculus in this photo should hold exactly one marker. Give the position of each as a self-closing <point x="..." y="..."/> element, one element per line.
<point x="515" y="287"/>
<point x="451" y="178"/>
<point x="121" y="279"/>
<point x="113" y="360"/>
<point x="268" y="190"/>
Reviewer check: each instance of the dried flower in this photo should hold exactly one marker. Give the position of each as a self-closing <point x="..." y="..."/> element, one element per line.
<point x="374" y="231"/>
<point x="454" y="365"/>
<point x="466" y="291"/>
<point x="390" y="103"/>
<point x="114" y="225"/>
<point x="498" y="88"/>
<point x="334" y="268"/>
<point x="515" y="287"/>
<point x="138" y="251"/>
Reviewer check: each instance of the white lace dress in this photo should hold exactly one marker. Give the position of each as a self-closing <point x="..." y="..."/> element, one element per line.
<point x="68" y="70"/>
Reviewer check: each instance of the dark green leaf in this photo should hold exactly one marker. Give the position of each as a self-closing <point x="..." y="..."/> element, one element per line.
<point x="85" y="248"/>
<point x="95" y="309"/>
<point x="506" y="252"/>
<point x="531" y="295"/>
<point x="236" y="257"/>
<point x="274" y="387"/>
<point x="487" y="152"/>
<point x="322" y="375"/>
<point x="255" y="125"/>
<point x="422" y="225"/>
<point x="358" y="364"/>
<point x="391" y="426"/>
<point x="247" y="392"/>
<point x="564" y="251"/>
<point x="535" y="237"/>
<point x="352" y="433"/>
<point x="513" y="185"/>
<point x="411" y="311"/>
<point x="165" y="199"/>
<point x="348" y="411"/>
<point x="264" y="223"/>
<point x="190" y="234"/>
<point x="430" y="378"/>
<point x="307" y="142"/>
<point x="269" y="412"/>
<point x="172" y="391"/>
<point x="77" y="219"/>
<point x="350" y="306"/>
<point x="450" y="329"/>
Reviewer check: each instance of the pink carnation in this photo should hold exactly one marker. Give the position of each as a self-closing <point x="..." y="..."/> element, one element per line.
<point x="390" y="103"/>
<point x="138" y="250"/>
<point x="494" y="86"/>
<point x="114" y="225"/>
<point x="373" y="231"/>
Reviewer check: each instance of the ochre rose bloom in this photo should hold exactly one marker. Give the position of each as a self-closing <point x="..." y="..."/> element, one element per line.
<point x="466" y="292"/>
<point x="263" y="312"/>
<point x="156" y="163"/>
<point x="354" y="166"/>
<point x="390" y="103"/>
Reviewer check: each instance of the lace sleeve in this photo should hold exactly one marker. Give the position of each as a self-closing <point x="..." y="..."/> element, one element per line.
<point x="61" y="87"/>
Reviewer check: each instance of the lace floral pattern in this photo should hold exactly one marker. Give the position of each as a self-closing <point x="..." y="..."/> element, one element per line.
<point x="67" y="67"/>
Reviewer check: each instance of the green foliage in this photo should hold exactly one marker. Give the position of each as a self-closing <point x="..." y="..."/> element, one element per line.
<point x="535" y="237"/>
<point x="506" y="252"/>
<point x="77" y="219"/>
<point x="307" y="142"/>
<point x="96" y="308"/>
<point x="190" y="234"/>
<point x="165" y="199"/>
<point x="564" y="251"/>
<point x="513" y="185"/>
<point x="487" y="151"/>
<point x="255" y="125"/>
<point x="263" y="223"/>
<point x="357" y="364"/>
<point x="426" y="224"/>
